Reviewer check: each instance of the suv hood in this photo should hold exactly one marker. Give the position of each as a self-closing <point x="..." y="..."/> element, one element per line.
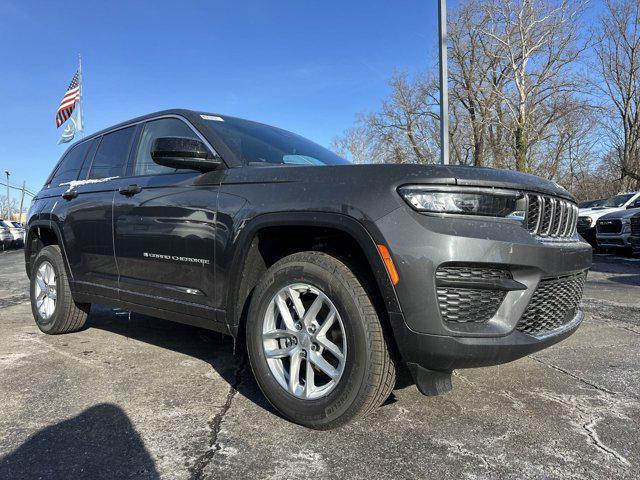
<point x="596" y="214"/>
<point x="395" y="175"/>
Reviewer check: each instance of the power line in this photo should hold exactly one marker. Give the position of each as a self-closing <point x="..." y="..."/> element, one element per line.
<point x="18" y="188"/>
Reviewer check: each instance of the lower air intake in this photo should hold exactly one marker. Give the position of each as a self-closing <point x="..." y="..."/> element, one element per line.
<point x="459" y="301"/>
<point x="553" y="304"/>
<point x="469" y="305"/>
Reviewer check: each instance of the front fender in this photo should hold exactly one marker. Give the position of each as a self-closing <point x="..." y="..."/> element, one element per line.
<point x="343" y="223"/>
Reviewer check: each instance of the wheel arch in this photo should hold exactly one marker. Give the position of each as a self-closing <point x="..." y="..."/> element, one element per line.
<point x="248" y="264"/>
<point x="41" y="234"/>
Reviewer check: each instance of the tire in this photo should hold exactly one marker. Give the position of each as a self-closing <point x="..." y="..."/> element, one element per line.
<point x="66" y="315"/>
<point x="368" y="368"/>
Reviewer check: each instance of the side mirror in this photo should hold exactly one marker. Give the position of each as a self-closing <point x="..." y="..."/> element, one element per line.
<point x="179" y="152"/>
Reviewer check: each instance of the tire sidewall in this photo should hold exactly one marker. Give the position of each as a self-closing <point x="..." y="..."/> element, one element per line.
<point x="346" y="395"/>
<point x="52" y="256"/>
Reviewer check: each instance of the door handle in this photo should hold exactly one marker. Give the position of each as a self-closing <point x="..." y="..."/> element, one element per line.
<point x="130" y="191"/>
<point x="70" y="194"/>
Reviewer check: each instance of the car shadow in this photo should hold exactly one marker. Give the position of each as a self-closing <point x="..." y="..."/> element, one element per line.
<point x="100" y="442"/>
<point x="214" y="348"/>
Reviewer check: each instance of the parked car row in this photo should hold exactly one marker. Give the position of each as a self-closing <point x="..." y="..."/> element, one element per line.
<point x="608" y="223"/>
<point x="11" y="234"/>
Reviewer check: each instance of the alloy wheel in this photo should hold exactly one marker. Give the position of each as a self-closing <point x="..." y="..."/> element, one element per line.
<point x="46" y="291"/>
<point x="304" y="341"/>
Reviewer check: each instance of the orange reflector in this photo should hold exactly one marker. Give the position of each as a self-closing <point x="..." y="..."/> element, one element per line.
<point x="391" y="268"/>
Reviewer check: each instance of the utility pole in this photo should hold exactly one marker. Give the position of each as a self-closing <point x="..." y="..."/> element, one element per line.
<point x="8" y="198"/>
<point x="24" y="186"/>
<point x="444" y="83"/>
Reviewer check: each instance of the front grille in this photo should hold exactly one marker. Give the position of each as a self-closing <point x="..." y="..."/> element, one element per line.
<point x="583" y="224"/>
<point x="609" y="226"/>
<point x="552" y="305"/>
<point x="464" y="303"/>
<point x="550" y="216"/>
<point x="635" y="225"/>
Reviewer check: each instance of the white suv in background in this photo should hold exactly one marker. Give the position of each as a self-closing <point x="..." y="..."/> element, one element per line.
<point x="17" y="233"/>
<point x="6" y="239"/>
<point x="587" y="217"/>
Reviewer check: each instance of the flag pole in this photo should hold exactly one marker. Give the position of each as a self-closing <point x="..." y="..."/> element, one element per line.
<point x="81" y="103"/>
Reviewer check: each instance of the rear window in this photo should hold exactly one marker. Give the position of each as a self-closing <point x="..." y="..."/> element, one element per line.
<point x="70" y="166"/>
<point x="112" y="154"/>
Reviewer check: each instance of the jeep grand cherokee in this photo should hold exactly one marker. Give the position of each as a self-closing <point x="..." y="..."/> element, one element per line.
<point x="335" y="275"/>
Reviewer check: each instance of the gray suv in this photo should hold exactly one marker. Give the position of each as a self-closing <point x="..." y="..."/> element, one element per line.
<point x="334" y="276"/>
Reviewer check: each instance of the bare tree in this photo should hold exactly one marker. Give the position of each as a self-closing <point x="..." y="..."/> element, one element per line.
<point x="404" y="130"/>
<point x="516" y="99"/>
<point x="4" y="206"/>
<point x="539" y="43"/>
<point x="617" y="52"/>
<point x="477" y="75"/>
<point x="355" y="144"/>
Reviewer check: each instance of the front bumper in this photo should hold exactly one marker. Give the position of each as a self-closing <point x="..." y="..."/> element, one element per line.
<point x="634" y="241"/>
<point x="421" y="243"/>
<point x="619" y="240"/>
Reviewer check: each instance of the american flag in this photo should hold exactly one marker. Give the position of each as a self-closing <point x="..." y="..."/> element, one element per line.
<point x="69" y="101"/>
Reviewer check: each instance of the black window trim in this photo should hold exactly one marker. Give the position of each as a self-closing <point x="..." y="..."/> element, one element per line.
<point x="136" y="140"/>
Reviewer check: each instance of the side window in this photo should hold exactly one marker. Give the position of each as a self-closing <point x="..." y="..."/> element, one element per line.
<point x="70" y="165"/>
<point x="166" y="127"/>
<point x="89" y="158"/>
<point x="112" y="154"/>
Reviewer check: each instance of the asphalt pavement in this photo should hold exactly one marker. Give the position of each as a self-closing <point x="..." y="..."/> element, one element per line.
<point x="136" y="397"/>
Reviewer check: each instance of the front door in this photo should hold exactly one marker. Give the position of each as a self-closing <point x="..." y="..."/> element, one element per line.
<point x="164" y="231"/>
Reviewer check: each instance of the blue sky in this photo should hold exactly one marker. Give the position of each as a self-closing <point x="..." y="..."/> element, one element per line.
<point x="307" y="66"/>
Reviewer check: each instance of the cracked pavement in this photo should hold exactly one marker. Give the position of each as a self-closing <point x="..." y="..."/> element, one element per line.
<point x="135" y="397"/>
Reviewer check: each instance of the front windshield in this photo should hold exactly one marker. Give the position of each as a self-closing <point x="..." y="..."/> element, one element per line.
<point x="618" y="201"/>
<point x="262" y="145"/>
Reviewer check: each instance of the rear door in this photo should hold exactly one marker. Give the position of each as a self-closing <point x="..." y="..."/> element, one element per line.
<point x="165" y="227"/>
<point x="88" y="224"/>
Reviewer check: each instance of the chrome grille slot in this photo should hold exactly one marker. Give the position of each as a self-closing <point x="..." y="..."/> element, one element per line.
<point x="551" y="217"/>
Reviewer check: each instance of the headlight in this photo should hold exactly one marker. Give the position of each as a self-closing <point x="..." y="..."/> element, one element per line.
<point x="489" y="202"/>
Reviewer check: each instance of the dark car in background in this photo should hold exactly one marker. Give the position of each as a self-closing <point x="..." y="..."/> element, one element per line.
<point x="332" y="275"/>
